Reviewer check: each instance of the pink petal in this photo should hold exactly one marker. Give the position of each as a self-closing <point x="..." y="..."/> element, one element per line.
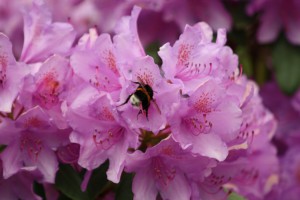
<point x="47" y="164"/>
<point x="292" y="29"/>
<point x="228" y="119"/>
<point x="127" y="40"/>
<point x="268" y="30"/>
<point x="11" y="75"/>
<point x="177" y="189"/>
<point x="143" y="186"/>
<point x="117" y="157"/>
<point x="43" y="38"/>
<point x="12" y="161"/>
<point x="210" y="145"/>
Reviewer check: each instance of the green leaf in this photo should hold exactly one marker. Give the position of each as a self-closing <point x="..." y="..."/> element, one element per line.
<point x="97" y="181"/>
<point x="235" y="196"/>
<point x="240" y="18"/>
<point x="152" y="50"/>
<point x="68" y="182"/>
<point x="124" y="190"/>
<point x="39" y="189"/>
<point x="245" y="60"/>
<point x="2" y="147"/>
<point x="286" y="61"/>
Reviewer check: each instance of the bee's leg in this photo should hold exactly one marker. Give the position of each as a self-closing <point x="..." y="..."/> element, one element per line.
<point x="136" y="82"/>
<point x="137" y="116"/>
<point x="125" y="101"/>
<point x="147" y="115"/>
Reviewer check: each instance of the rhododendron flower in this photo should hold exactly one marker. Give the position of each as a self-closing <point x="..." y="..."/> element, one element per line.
<point x="194" y="57"/>
<point x="275" y="16"/>
<point x="30" y="142"/>
<point x="47" y="88"/>
<point x="94" y="60"/>
<point x="43" y="38"/>
<point x="203" y="123"/>
<point x="103" y="136"/>
<point x="166" y="169"/>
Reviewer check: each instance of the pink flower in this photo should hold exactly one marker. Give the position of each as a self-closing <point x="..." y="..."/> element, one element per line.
<point x="94" y="60"/>
<point x="42" y="38"/>
<point x="275" y="16"/>
<point x="30" y="142"/>
<point x="252" y="175"/>
<point x="166" y="169"/>
<point x="100" y="132"/>
<point x="47" y="86"/>
<point x="208" y="119"/>
<point x="194" y="58"/>
<point x="127" y="40"/>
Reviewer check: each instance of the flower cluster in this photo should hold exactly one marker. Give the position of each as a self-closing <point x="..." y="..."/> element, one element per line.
<point x="192" y="128"/>
<point x="158" y="21"/>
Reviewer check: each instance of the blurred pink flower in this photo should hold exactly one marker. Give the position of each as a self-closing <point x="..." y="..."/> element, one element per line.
<point x="277" y="15"/>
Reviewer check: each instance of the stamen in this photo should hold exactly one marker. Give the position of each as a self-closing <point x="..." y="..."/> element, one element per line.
<point x="3" y="68"/>
<point x="107" y="138"/>
<point x="241" y="70"/>
<point x="110" y="59"/>
<point x="33" y="146"/>
<point x="191" y="70"/>
<point x="164" y="174"/>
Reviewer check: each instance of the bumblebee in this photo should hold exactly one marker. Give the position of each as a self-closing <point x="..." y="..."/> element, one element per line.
<point x="141" y="98"/>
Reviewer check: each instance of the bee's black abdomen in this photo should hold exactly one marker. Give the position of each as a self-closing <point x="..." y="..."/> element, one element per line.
<point x="149" y="91"/>
<point x="141" y="96"/>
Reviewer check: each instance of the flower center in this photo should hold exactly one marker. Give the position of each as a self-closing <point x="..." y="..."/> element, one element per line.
<point x="102" y="113"/>
<point x="31" y="145"/>
<point x="198" y="124"/>
<point x="248" y="176"/>
<point x="104" y="139"/>
<point x="162" y="173"/>
<point x="102" y="79"/>
<point x="191" y="70"/>
<point x="111" y="62"/>
<point x="48" y="91"/>
<point x="184" y="53"/>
